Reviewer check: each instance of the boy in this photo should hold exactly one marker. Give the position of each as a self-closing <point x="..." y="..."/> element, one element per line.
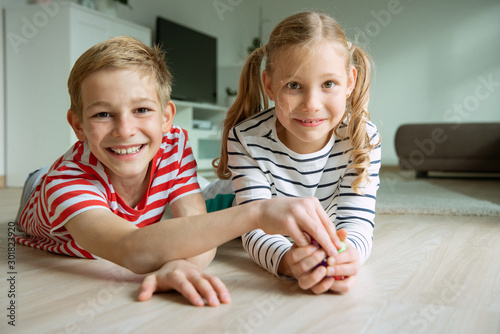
<point x="105" y="197"/>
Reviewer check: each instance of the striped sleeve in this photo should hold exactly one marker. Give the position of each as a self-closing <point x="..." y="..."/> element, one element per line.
<point x="181" y="162"/>
<point x="67" y="197"/>
<point x="250" y="183"/>
<point x="356" y="212"/>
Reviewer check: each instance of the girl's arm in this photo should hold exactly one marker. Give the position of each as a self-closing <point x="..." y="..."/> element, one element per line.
<point x="250" y="184"/>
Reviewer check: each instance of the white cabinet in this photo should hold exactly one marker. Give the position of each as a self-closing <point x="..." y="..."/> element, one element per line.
<point x="41" y="46"/>
<point x="203" y="122"/>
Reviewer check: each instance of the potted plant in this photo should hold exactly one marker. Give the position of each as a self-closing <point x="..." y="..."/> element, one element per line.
<point x="109" y="6"/>
<point x="230" y="96"/>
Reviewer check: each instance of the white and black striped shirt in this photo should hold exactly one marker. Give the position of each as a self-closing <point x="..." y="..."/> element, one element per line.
<point x="262" y="168"/>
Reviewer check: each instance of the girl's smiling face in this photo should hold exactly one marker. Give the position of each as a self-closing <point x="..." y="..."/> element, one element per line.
<point x="123" y="122"/>
<point x="309" y="89"/>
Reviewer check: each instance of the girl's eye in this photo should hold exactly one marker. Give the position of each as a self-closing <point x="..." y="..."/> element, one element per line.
<point x="142" y="110"/>
<point x="328" y="84"/>
<point x="293" y="85"/>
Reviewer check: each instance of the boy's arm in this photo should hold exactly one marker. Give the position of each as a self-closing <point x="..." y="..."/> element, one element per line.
<point x="187" y="276"/>
<point x="193" y="205"/>
<point x="144" y="250"/>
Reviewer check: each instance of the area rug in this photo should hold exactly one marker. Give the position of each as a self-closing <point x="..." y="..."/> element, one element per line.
<point x="422" y="197"/>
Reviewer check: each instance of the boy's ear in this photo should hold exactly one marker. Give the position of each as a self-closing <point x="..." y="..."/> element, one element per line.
<point x="351" y="79"/>
<point x="266" y="80"/>
<point x="76" y="124"/>
<point x="168" y="117"/>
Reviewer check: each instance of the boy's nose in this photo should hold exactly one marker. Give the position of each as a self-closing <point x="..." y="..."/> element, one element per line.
<point x="124" y="126"/>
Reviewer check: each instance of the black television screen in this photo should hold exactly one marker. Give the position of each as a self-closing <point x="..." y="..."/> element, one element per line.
<point x="192" y="60"/>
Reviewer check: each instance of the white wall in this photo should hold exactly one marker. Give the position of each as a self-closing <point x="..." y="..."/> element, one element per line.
<point x="233" y="22"/>
<point x="432" y="58"/>
<point x="3" y="3"/>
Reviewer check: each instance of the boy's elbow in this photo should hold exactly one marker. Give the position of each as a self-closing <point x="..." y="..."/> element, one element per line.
<point x="136" y="258"/>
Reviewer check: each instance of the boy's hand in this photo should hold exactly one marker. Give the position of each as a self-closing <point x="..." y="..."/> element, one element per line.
<point x="187" y="279"/>
<point x="295" y="216"/>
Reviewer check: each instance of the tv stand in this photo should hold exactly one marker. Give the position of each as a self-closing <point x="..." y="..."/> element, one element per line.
<point x="203" y="122"/>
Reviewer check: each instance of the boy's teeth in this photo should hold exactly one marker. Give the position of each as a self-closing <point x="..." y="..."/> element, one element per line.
<point x="123" y="151"/>
<point x="305" y="121"/>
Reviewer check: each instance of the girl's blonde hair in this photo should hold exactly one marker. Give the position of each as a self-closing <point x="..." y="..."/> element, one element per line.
<point x="304" y="29"/>
<point x="120" y="53"/>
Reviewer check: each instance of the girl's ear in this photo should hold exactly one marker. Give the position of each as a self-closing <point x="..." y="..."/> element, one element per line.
<point x="266" y="80"/>
<point x="168" y="117"/>
<point x="76" y="124"/>
<point x="352" y="75"/>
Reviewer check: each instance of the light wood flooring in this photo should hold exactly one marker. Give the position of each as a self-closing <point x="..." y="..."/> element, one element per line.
<point x="426" y="274"/>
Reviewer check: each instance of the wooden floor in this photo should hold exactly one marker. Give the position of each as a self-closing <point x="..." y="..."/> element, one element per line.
<point x="426" y="274"/>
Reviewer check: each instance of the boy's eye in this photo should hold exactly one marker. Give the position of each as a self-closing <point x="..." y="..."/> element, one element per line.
<point x="142" y="110"/>
<point x="293" y="85"/>
<point x="102" y="115"/>
<point x="328" y="84"/>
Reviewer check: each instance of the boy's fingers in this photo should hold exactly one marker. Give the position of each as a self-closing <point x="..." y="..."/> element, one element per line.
<point x="189" y="292"/>
<point x="329" y="241"/>
<point x="148" y="287"/>
<point x="220" y="289"/>
<point x="342" y="234"/>
<point x="206" y="290"/>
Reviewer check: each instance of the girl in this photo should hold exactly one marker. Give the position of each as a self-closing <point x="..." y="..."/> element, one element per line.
<point x="316" y="141"/>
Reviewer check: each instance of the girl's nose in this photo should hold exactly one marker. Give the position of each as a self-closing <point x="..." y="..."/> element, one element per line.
<point x="312" y="101"/>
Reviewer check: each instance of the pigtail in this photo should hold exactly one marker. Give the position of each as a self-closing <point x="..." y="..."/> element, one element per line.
<point x="251" y="99"/>
<point x="358" y="116"/>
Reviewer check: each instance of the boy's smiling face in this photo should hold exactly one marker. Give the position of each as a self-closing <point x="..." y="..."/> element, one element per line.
<point x="123" y="122"/>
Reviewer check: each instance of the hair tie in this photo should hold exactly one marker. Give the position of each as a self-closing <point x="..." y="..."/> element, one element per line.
<point x="349" y="45"/>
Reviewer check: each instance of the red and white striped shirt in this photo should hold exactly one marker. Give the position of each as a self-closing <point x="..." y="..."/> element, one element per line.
<point x="77" y="182"/>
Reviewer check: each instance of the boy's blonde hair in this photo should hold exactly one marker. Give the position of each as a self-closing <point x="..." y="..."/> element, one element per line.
<point x="120" y="53"/>
<point x="306" y="30"/>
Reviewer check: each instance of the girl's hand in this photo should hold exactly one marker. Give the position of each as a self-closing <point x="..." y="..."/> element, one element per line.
<point x="346" y="264"/>
<point x="294" y="216"/>
<point x="300" y="263"/>
<point x="186" y="278"/>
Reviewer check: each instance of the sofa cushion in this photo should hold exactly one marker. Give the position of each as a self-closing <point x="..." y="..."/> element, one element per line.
<point x="458" y="147"/>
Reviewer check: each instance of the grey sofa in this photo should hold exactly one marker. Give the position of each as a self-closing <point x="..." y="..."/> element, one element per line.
<point x="447" y="147"/>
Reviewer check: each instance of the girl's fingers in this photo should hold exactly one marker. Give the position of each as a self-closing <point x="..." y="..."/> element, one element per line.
<point x="343" y="286"/>
<point x="323" y="286"/>
<point x="344" y="269"/>
<point x="309" y="280"/>
<point x="298" y="254"/>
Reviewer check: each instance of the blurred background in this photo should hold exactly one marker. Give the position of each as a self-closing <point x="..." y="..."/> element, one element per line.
<point x="435" y="61"/>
